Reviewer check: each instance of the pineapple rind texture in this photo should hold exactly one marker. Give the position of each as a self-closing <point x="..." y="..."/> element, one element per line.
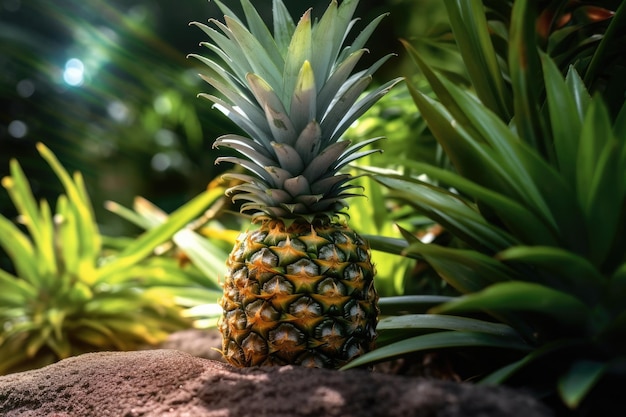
<point x="300" y="295"/>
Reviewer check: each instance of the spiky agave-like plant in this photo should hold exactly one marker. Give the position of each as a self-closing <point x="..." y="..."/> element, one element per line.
<point x="300" y="287"/>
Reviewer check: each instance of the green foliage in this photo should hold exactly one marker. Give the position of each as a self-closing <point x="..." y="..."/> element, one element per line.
<point x="535" y="202"/>
<point x="70" y="293"/>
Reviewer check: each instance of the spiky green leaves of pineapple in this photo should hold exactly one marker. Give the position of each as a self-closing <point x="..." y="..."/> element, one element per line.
<point x="293" y="93"/>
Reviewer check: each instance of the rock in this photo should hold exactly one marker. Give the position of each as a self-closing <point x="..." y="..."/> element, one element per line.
<point x="171" y="383"/>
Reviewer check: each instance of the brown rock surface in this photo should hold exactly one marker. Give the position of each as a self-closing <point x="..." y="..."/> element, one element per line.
<point x="173" y="383"/>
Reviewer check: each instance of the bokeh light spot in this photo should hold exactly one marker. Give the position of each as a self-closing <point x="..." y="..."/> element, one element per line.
<point x="163" y="105"/>
<point x="118" y="111"/>
<point x="18" y="129"/>
<point x="25" y="88"/>
<point x="74" y="73"/>
<point x="161" y="162"/>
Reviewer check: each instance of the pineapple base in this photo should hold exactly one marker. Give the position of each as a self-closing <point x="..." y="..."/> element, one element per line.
<point x="300" y="295"/>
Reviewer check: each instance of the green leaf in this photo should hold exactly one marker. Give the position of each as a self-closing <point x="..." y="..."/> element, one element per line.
<point x="46" y="251"/>
<point x="565" y="271"/>
<point x="248" y="45"/>
<point x="323" y="44"/>
<point x="580" y="378"/>
<point x="406" y="304"/>
<point x="507" y="371"/>
<point x="565" y="120"/>
<point x="15" y="291"/>
<point x="525" y="71"/>
<point x="466" y="270"/>
<point x="261" y="32"/>
<point x="523" y="296"/>
<point x="299" y="51"/>
<point x="210" y="259"/>
<point x="21" y="194"/>
<point x="143" y="246"/>
<point x="443" y="322"/>
<point x="77" y="196"/>
<point x="448" y="209"/>
<point x="440" y="340"/>
<point x="523" y="223"/>
<point x="472" y="34"/>
<point x="20" y="249"/>
<point x="67" y="235"/>
<point x="284" y="26"/>
<point x="601" y="180"/>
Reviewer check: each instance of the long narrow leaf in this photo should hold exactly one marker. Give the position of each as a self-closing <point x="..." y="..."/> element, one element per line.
<point x="143" y="246"/>
<point x="523" y="296"/>
<point x="440" y="340"/>
<point x="579" y="380"/>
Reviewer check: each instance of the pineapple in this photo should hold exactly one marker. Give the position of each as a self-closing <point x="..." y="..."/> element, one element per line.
<point x="299" y="288"/>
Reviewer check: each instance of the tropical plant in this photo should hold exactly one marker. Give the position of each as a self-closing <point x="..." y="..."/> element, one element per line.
<point x="71" y="291"/>
<point x="535" y="205"/>
<point x="299" y="288"/>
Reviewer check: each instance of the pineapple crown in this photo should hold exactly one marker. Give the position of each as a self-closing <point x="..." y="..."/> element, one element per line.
<point x="294" y="93"/>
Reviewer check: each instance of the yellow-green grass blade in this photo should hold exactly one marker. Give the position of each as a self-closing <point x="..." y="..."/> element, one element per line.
<point x="472" y="34"/>
<point x="440" y="340"/>
<point x="523" y="296"/>
<point x="561" y="270"/>
<point x="67" y="237"/>
<point x="77" y="196"/>
<point x="20" y="250"/>
<point x="15" y="291"/>
<point x="206" y="256"/>
<point x="579" y="379"/>
<point x="129" y="215"/>
<point x="47" y="264"/>
<point x="19" y="190"/>
<point x="144" y="245"/>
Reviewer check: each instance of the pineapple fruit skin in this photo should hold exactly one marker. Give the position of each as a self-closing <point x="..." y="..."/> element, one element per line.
<point x="302" y="295"/>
